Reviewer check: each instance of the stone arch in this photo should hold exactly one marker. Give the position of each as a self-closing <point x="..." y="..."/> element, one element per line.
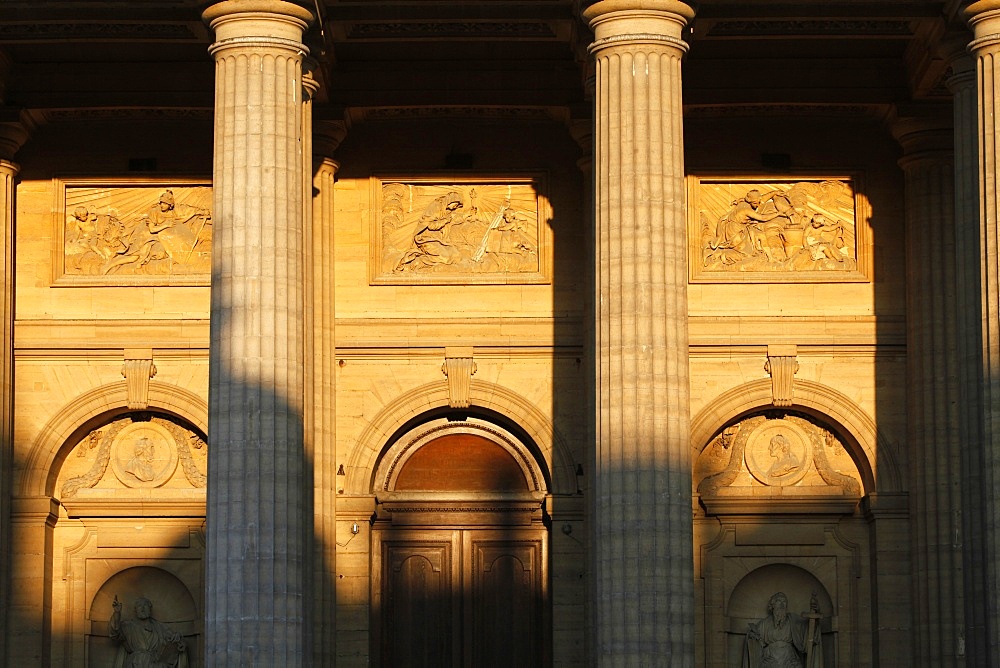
<point x="497" y="458"/>
<point x="870" y="450"/>
<point x="42" y="463"/>
<point x="425" y="399"/>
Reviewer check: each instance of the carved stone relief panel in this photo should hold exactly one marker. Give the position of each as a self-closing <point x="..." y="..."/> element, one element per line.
<point x="133" y="233"/>
<point x="776" y="455"/>
<point x="791" y="229"/>
<point x="459" y="231"/>
<point x="140" y="451"/>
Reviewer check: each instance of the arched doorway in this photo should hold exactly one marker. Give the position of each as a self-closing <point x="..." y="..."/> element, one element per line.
<point x="459" y="550"/>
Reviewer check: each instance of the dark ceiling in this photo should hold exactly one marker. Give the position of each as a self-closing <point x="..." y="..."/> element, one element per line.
<point x="375" y="54"/>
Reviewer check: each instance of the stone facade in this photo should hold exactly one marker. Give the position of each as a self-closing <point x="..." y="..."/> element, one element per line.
<point x="580" y="330"/>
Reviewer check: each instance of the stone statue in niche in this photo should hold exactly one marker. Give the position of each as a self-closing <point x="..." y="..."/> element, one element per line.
<point x="784" y="640"/>
<point x="144" y="641"/>
<point x="804" y="226"/>
<point x="429" y="230"/>
<point x="117" y="232"/>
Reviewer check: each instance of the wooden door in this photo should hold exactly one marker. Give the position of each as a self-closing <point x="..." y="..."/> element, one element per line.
<point x="460" y="597"/>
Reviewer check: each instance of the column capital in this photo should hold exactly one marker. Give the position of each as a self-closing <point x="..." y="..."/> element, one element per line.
<point x="627" y="22"/>
<point x="15" y="130"/>
<point x="273" y="24"/>
<point x="327" y="136"/>
<point x="925" y="132"/>
<point x="954" y="49"/>
<point x="984" y="19"/>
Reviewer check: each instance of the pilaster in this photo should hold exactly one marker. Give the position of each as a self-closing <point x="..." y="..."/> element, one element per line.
<point x="322" y="387"/>
<point x="257" y="522"/>
<point x="984" y="19"/>
<point x="644" y="595"/>
<point x="933" y="384"/>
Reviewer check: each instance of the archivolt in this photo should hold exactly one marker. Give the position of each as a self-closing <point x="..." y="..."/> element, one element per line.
<point x="419" y="400"/>
<point x="39" y="475"/>
<point x="871" y="451"/>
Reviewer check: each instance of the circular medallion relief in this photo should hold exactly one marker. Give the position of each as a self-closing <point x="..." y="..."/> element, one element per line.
<point x="778" y="453"/>
<point x="144" y="455"/>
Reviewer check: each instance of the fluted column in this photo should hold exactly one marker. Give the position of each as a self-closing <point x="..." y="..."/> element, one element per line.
<point x="962" y="84"/>
<point x="644" y="598"/>
<point x="933" y="434"/>
<point x="984" y="18"/>
<point x="26" y="635"/>
<point x="256" y="529"/>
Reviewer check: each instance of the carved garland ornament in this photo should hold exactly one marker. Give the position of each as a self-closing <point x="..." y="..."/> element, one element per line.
<point x="142" y="453"/>
<point x="777" y="452"/>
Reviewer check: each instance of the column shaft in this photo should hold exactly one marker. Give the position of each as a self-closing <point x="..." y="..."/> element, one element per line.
<point x="256" y="529"/>
<point x="962" y="84"/>
<point x="8" y="171"/>
<point x="644" y="598"/>
<point x="984" y="17"/>
<point x="932" y="387"/>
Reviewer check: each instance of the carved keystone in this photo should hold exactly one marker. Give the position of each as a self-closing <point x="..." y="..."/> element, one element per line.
<point x="782" y="366"/>
<point x="137" y="370"/>
<point x="458" y="367"/>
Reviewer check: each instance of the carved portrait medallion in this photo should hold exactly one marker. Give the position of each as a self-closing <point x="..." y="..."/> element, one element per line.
<point x="144" y="454"/>
<point x="778" y="453"/>
<point x="459" y="230"/>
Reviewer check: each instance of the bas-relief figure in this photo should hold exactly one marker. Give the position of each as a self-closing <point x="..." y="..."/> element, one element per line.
<point x="784" y="640"/>
<point x="804" y="226"/>
<point x="143" y="641"/>
<point x="138" y="231"/>
<point x="481" y="229"/>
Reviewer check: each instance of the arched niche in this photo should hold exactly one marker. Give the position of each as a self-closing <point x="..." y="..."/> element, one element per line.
<point x="749" y="601"/>
<point x="173" y="605"/>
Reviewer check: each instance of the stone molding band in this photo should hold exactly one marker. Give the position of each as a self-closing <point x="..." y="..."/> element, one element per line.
<point x="259" y="42"/>
<point x="985" y="40"/>
<point x="613" y="40"/>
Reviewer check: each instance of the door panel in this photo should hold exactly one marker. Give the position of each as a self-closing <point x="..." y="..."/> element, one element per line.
<point x="417" y="600"/>
<point x="506" y="596"/>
